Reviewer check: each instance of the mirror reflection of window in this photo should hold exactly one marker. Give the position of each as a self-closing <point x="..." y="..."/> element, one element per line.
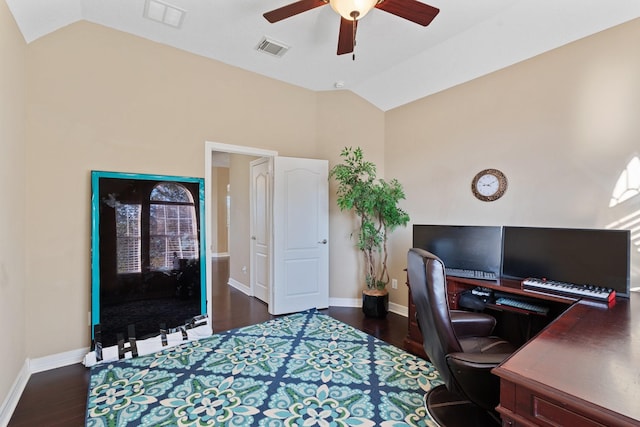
<point x="128" y="237"/>
<point x="173" y="233"/>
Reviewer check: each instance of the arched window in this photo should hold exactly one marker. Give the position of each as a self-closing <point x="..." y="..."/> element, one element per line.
<point x="626" y="188"/>
<point x="628" y="184"/>
<point x="173" y="232"/>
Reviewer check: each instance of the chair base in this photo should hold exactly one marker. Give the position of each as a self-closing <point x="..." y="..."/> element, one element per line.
<point x="450" y="410"/>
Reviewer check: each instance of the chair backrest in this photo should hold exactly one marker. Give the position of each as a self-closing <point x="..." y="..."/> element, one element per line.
<point x="429" y="292"/>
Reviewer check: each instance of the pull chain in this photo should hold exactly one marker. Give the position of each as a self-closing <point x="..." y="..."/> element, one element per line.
<point x="354" y="15"/>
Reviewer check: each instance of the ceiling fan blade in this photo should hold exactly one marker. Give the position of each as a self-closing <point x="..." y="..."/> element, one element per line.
<point x="292" y="9"/>
<point x="413" y="10"/>
<point x="346" y="36"/>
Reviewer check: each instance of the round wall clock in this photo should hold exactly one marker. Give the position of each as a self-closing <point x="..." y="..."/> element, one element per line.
<point x="489" y="185"/>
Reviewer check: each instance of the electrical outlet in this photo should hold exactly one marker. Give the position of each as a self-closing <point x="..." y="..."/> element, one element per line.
<point x="394" y="283"/>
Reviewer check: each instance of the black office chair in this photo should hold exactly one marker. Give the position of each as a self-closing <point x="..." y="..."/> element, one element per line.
<point x="460" y="346"/>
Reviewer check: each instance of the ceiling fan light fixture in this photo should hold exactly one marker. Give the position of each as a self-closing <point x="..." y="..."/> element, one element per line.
<point x="352" y="9"/>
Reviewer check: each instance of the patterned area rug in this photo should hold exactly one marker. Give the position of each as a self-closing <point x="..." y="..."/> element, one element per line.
<point x="304" y="369"/>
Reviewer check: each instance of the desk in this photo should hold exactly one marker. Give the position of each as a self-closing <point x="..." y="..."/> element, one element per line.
<point x="583" y="369"/>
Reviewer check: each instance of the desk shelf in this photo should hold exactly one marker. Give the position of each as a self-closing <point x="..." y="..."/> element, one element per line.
<point x="501" y="307"/>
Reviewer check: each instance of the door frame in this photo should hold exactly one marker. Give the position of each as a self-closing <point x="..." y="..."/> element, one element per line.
<point x="210" y="148"/>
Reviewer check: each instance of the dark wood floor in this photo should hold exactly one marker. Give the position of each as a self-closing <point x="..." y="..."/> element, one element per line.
<point x="58" y="397"/>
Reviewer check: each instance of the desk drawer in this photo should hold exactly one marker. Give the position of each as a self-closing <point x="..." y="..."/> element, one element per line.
<point x="531" y="408"/>
<point x="552" y="414"/>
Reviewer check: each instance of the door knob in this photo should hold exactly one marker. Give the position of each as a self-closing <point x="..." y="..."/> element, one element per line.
<point x="253" y="237"/>
<point x="324" y="241"/>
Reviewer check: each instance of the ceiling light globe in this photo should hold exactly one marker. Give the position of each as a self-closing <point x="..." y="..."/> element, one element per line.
<point x="345" y="8"/>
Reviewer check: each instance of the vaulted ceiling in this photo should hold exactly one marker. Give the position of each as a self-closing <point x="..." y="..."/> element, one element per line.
<point x="396" y="61"/>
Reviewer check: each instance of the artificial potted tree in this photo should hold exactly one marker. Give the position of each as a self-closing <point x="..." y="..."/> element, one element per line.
<point x="375" y="202"/>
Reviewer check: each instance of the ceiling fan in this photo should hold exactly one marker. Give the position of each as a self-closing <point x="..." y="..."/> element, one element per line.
<point x="351" y="11"/>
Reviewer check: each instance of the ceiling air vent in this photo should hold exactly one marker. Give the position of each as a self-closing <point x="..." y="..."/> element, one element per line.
<point x="165" y="13"/>
<point x="272" y="47"/>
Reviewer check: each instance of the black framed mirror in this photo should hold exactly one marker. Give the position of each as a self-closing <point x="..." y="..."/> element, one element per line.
<point x="147" y="253"/>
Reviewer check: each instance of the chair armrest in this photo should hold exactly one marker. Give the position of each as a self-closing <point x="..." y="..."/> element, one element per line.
<point x="470" y="324"/>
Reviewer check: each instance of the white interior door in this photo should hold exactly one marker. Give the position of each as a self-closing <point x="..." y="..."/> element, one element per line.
<point x="300" y="277"/>
<point x="260" y="246"/>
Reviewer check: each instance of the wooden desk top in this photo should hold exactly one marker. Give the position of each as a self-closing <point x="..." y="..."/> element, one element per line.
<point x="590" y="355"/>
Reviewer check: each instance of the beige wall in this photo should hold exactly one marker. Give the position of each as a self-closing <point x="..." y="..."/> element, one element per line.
<point x="346" y="120"/>
<point x="561" y="126"/>
<point x="101" y="99"/>
<point x="219" y="232"/>
<point x="13" y="197"/>
<point x="105" y="100"/>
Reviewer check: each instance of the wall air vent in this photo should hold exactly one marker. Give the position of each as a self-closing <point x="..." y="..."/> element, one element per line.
<point x="272" y="47"/>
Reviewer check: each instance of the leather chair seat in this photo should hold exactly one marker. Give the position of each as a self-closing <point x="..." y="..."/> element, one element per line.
<point x="485" y="345"/>
<point x="470" y="324"/>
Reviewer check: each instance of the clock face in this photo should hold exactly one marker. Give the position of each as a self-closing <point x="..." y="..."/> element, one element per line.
<point x="489" y="185"/>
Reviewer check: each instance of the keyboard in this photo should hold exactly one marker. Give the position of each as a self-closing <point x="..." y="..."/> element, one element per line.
<point x="471" y="274"/>
<point x="523" y="305"/>
<point x="569" y="289"/>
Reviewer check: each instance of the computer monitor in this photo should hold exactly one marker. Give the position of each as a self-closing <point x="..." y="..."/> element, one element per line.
<point x="466" y="250"/>
<point x="580" y="256"/>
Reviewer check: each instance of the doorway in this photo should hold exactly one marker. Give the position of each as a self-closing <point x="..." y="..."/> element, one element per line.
<point x="294" y="264"/>
<point x="215" y="153"/>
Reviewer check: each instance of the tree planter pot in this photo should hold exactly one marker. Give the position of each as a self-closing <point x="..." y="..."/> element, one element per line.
<point x="375" y="303"/>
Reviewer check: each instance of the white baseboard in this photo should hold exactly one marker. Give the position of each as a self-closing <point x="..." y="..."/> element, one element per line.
<point x="357" y="302"/>
<point x="59" y="360"/>
<point x="32" y="366"/>
<point x="345" y="302"/>
<point x="13" y="397"/>
<point x="399" y="309"/>
<point x="240" y="286"/>
<point x="220" y="255"/>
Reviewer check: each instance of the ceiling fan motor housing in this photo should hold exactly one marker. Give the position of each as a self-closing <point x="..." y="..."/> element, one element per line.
<point x="352" y="9"/>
